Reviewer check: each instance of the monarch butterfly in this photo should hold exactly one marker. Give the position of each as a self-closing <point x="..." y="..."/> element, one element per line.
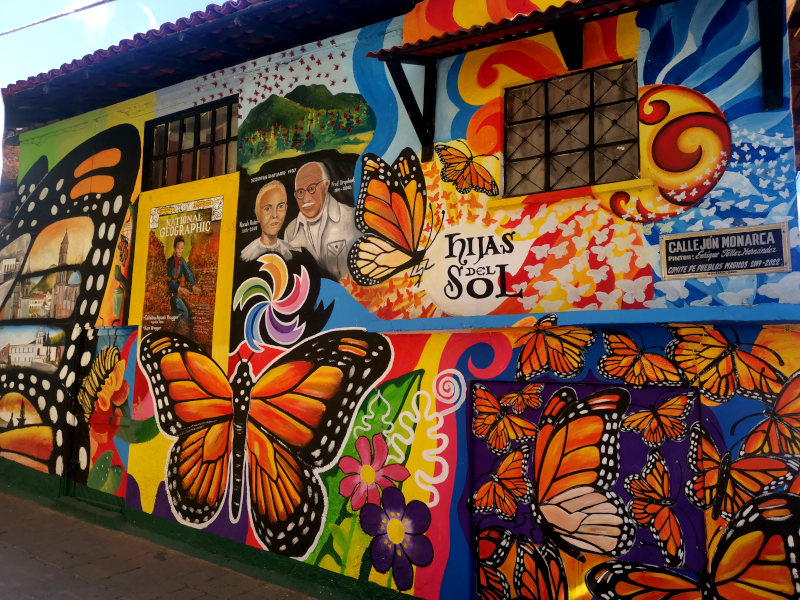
<point x="461" y="169"/>
<point x="279" y="430"/>
<point x="493" y="546"/>
<point x="539" y="572"/>
<point x="575" y="463"/>
<point x="87" y="191"/>
<point x="779" y="433"/>
<point x="528" y="397"/>
<point x="667" y="421"/>
<point x="756" y="558"/>
<point x="725" y="485"/>
<point x="391" y="212"/>
<point x="492" y="423"/>
<point x="651" y="505"/>
<point x="625" y="360"/>
<point x="550" y="346"/>
<point x="508" y="486"/>
<point x="719" y="367"/>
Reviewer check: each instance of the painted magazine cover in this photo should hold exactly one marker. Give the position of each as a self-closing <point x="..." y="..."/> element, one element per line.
<point x="182" y="256"/>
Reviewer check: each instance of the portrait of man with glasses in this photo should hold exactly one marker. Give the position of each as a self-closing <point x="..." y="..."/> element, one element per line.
<point x="325" y="227"/>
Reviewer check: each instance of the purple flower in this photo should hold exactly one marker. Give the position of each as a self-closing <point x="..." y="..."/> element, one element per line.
<point x="367" y="478"/>
<point x="398" y="541"/>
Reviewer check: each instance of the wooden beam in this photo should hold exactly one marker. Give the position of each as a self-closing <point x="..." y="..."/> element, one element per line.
<point x="770" y="25"/>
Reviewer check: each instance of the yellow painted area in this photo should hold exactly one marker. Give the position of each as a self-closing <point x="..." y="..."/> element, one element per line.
<point x="424" y="439"/>
<point x="486" y="73"/>
<point x="146" y="464"/>
<point x="226" y="186"/>
<point x="468" y="13"/>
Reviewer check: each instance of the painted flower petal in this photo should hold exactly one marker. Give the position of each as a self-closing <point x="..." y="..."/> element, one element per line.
<point x="402" y="571"/>
<point x="364" y="450"/>
<point x="393" y="501"/>
<point x="294" y="301"/>
<point x="373" y="494"/>
<point x="359" y="496"/>
<point x="383" y="482"/>
<point x="396" y="472"/>
<point x="373" y="520"/>
<point x="419" y="549"/>
<point x="382" y="552"/>
<point x="348" y="464"/>
<point x="348" y="485"/>
<point x="381" y="451"/>
<point x="418" y="516"/>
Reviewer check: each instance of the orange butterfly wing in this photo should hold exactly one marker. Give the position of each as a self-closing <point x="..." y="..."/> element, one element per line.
<point x="490" y="422"/>
<point x="756" y="558"/>
<point x="292" y="421"/>
<point x="539" y="572"/>
<point x="780" y="432"/>
<point x="507" y="487"/>
<point x="723" y="485"/>
<point x="625" y="360"/>
<point x="529" y="397"/>
<point x="193" y="402"/>
<point x="719" y="367"/>
<point x="299" y="417"/>
<point x="549" y="346"/>
<point x="466" y="174"/>
<point x="651" y="505"/>
<point x="576" y="461"/>
<point x="667" y="421"/>
<point x="391" y="210"/>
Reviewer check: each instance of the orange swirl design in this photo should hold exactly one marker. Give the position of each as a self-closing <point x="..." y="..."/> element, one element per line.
<point x="684" y="143"/>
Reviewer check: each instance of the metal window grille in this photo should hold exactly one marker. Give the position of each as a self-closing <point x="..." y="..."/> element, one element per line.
<point x="573" y="130"/>
<point x="191" y="145"/>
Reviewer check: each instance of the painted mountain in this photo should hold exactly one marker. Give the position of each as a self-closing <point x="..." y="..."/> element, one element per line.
<point x="308" y="118"/>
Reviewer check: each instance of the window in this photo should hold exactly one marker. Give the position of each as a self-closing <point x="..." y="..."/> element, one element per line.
<point x="574" y="130"/>
<point x="190" y="145"/>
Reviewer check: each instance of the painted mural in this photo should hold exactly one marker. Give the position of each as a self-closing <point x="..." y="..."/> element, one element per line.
<point x="65" y="387"/>
<point x="285" y="394"/>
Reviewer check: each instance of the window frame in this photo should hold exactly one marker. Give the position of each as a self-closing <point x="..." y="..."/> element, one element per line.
<point x="194" y="148"/>
<point x="592" y="110"/>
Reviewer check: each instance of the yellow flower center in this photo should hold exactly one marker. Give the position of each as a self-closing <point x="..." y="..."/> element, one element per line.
<point x="367" y="474"/>
<point x="396" y="531"/>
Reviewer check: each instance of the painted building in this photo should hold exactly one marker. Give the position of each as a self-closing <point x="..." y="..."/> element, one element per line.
<point x="447" y="299"/>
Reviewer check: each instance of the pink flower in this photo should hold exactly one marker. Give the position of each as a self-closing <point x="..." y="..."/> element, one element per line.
<point x="367" y="478"/>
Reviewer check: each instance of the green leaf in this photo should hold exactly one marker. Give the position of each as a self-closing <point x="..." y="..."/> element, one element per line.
<point x="100" y="471"/>
<point x="137" y="432"/>
<point x="113" y="480"/>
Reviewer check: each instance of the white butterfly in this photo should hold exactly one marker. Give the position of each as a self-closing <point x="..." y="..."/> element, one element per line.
<point x="564" y="273"/>
<point x="635" y="289"/>
<point x="598" y="275"/>
<point x="534" y="271"/>
<point x="560" y="250"/>
<point x="620" y="264"/>
<point x="610" y="300"/>
<point x="575" y="293"/>
<point x="673" y="289"/>
<point x="540" y="251"/>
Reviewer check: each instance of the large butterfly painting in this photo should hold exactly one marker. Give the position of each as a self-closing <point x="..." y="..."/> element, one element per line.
<point x="271" y="434"/>
<point x="87" y="193"/>
<point x="392" y="212"/>
<point x="756" y="558"/>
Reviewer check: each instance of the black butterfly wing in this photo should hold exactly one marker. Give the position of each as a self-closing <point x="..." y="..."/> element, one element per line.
<point x="94" y="182"/>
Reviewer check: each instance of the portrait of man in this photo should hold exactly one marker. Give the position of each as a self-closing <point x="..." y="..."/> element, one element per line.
<point x="270" y="209"/>
<point x="178" y="273"/>
<point x="325" y="227"/>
